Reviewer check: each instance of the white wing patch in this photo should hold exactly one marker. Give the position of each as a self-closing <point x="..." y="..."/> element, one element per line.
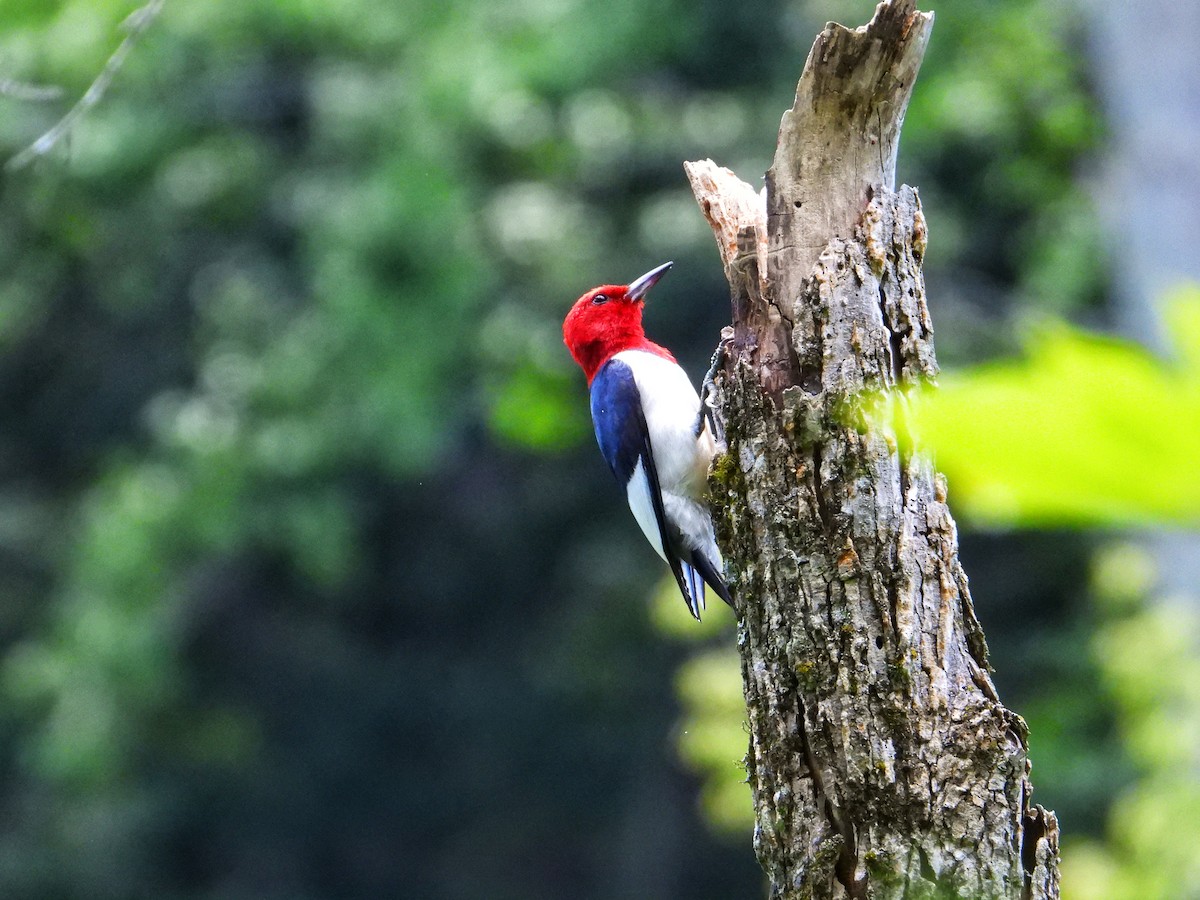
<point x="638" y="493"/>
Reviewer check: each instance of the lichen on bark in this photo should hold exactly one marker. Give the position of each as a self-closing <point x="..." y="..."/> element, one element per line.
<point x="881" y="760"/>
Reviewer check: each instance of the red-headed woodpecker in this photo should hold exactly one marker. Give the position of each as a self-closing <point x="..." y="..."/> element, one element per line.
<point x="650" y="429"/>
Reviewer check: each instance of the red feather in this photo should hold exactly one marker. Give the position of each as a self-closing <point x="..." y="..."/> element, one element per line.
<point x="595" y="332"/>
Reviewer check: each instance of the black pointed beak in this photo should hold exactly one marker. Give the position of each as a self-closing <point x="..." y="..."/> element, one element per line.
<point x="638" y="288"/>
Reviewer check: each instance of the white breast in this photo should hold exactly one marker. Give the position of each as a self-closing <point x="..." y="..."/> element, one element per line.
<point x="671" y="406"/>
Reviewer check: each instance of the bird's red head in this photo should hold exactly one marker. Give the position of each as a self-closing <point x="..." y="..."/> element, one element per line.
<point x="607" y="320"/>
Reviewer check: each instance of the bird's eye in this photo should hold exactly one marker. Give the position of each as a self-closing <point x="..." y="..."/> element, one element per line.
<point x="599" y="298"/>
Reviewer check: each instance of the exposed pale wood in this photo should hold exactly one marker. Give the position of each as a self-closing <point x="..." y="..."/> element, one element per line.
<point x="882" y="763"/>
<point x="840" y="138"/>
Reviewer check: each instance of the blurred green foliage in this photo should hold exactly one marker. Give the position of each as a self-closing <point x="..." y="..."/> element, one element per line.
<point x="314" y="585"/>
<point x="1084" y="430"/>
<point x="712" y="734"/>
<point x="1147" y="656"/>
<point x="280" y="321"/>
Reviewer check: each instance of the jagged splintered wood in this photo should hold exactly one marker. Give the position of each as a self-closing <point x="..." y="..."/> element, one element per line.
<point x="882" y="763"/>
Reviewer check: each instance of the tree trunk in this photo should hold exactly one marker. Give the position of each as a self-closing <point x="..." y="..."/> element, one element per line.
<point x="882" y="763"/>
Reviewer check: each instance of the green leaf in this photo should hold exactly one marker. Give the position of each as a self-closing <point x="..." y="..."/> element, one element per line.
<point x="1084" y="430"/>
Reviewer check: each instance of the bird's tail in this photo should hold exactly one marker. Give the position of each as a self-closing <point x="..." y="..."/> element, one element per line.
<point x="692" y="578"/>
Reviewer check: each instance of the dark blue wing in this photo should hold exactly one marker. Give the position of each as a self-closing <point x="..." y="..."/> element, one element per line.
<point x="617" y="416"/>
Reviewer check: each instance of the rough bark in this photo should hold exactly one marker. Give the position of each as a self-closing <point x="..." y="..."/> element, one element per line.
<point x="882" y="763"/>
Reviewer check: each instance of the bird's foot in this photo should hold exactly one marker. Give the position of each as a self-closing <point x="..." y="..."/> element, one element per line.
<point x="708" y="411"/>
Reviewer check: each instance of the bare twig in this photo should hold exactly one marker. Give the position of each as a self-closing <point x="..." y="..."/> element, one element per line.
<point x="134" y="25"/>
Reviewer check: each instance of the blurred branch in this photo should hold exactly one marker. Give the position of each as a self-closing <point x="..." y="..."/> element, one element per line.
<point x="23" y="90"/>
<point x="135" y="25"/>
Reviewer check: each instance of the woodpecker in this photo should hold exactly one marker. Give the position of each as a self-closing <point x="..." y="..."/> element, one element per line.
<point x="651" y="430"/>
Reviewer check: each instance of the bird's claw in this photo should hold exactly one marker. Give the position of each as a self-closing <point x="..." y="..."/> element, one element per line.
<point x="708" y="411"/>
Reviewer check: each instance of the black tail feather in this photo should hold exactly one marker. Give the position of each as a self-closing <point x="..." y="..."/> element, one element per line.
<point x="710" y="574"/>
